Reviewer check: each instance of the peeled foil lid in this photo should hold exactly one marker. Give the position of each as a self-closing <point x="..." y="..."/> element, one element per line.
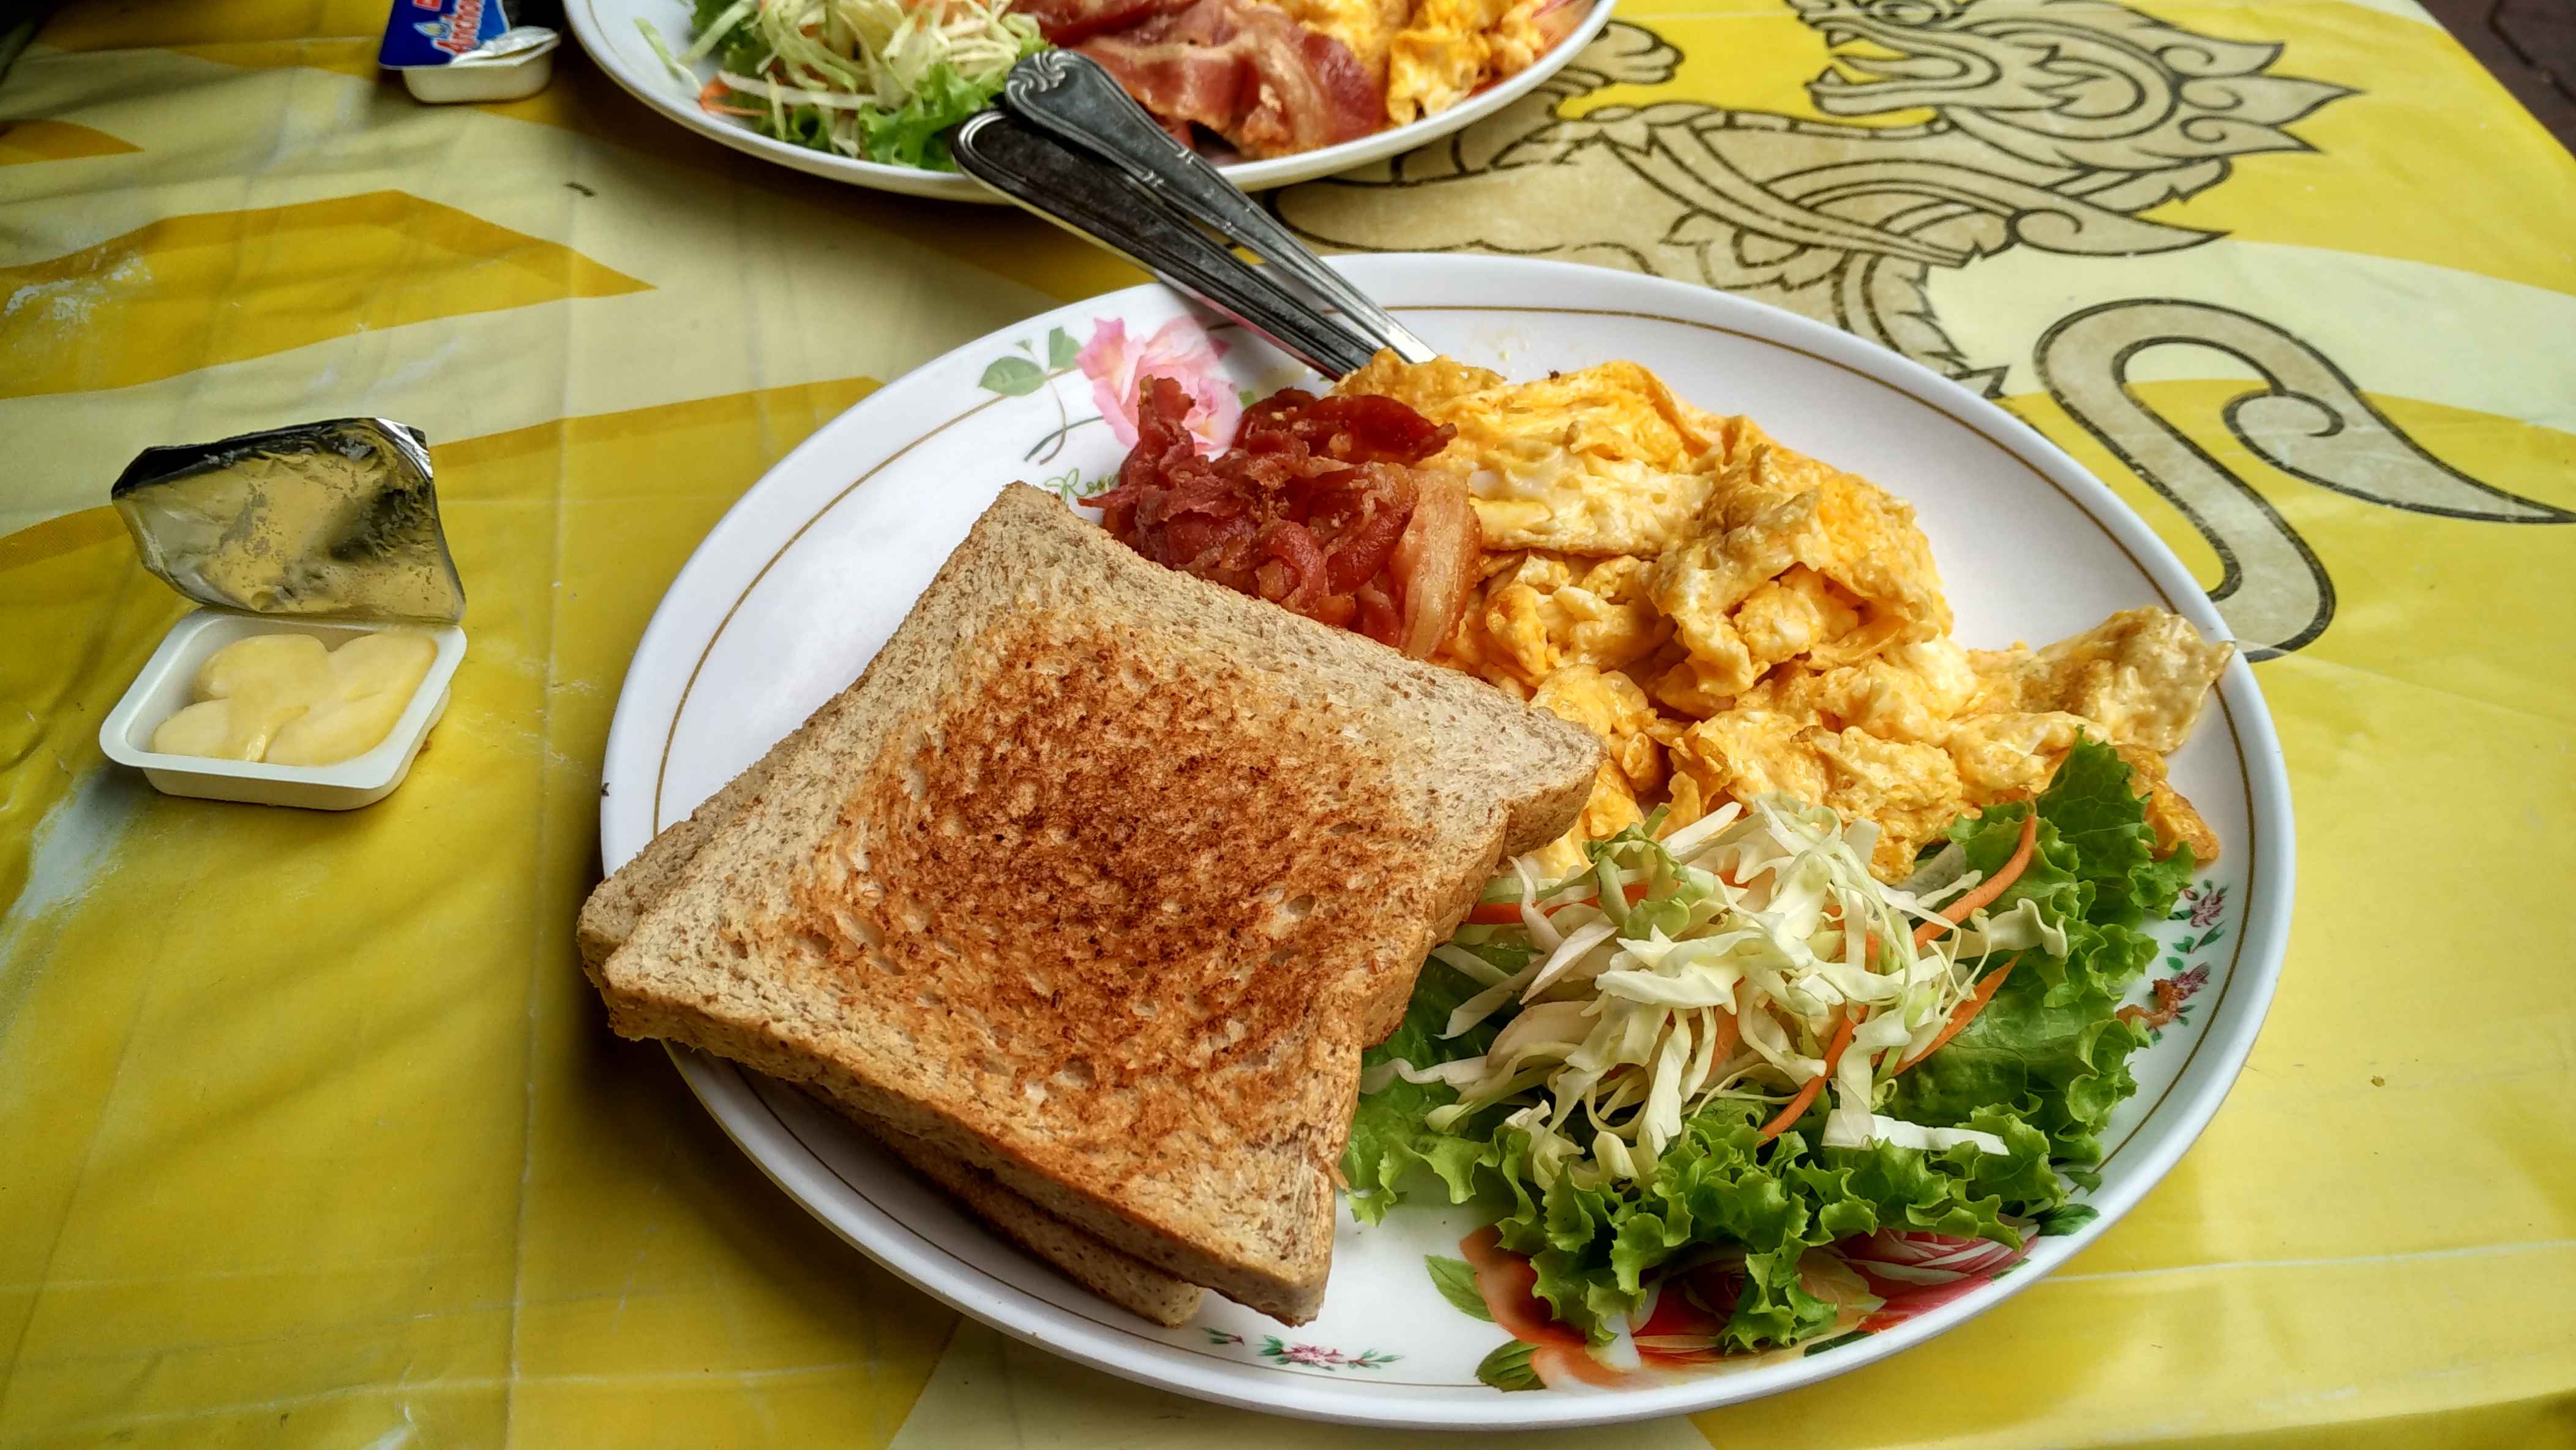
<point x="519" y="42"/>
<point x="335" y="519"/>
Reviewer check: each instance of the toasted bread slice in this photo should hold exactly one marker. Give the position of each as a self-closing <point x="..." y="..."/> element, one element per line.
<point x="609" y="916"/>
<point x="1100" y="881"/>
<point x="1123" y="1280"/>
<point x="619" y="902"/>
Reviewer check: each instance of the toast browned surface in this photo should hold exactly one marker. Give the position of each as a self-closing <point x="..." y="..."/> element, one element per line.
<point x="610" y="916"/>
<point x="1100" y="883"/>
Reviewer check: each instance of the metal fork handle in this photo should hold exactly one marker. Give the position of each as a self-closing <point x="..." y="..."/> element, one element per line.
<point x="1080" y="193"/>
<point x="1070" y="96"/>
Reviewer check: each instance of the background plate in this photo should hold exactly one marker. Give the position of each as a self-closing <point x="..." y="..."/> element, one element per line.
<point x="802" y="581"/>
<point x="607" y="29"/>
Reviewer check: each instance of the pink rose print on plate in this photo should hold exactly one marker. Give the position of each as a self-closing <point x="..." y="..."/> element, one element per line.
<point x="1178" y="350"/>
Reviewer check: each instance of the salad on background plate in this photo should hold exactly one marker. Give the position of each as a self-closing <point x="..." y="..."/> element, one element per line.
<point x="875" y="79"/>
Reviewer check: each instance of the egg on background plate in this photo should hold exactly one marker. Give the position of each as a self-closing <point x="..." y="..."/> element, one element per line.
<point x="1453" y="47"/>
<point x="1432" y="54"/>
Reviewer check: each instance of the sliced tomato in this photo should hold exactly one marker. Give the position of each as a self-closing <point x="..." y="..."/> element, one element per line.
<point x="1509" y="1287"/>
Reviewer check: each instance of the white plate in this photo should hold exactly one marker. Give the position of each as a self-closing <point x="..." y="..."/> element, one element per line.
<point x="809" y="573"/>
<point x="608" y="30"/>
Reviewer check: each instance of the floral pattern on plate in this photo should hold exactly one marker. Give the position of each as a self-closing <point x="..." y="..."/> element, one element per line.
<point x="2203" y="911"/>
<point x="1307" y="1356"/>
<point x="1113" y="364"/>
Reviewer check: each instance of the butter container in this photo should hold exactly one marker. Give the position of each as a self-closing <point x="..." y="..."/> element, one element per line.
<point x="162" y="690"/>
<point x="466" y="50"/>
<point x="329" y="531"/>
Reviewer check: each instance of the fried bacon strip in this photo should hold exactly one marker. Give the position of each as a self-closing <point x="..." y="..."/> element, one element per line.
<point x="1244" y="70"/>
<point x="1321" y="506"/>
<point x="1069" y="22"/>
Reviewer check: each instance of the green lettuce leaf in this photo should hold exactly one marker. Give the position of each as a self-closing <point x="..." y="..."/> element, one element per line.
<point x="2049" y="1045"/>
<point x="740" y="49"/>
<point x="917" y="134"/>
<point x="1389" y="1138"/>
<point x="2096" y="812"/>
<point x="1596" y="1248"/>
<point x="914" y="134"/>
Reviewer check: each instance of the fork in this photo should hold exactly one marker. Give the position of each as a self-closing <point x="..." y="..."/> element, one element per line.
<point x="1070" y="145"/>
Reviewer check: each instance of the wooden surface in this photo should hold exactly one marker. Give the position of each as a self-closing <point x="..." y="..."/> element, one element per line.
<point x="2530" y="45"/>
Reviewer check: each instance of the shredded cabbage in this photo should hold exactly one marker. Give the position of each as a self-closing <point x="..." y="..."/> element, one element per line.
<point x="879" y="79"/>
<point x="1749" y="938"/>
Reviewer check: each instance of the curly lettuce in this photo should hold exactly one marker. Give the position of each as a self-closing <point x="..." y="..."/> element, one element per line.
<point x="2050" y="1045"/>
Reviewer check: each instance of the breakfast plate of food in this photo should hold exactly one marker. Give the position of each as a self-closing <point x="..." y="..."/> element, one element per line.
<point x="1662" y="855"/>
<point x="1275" y="91"/>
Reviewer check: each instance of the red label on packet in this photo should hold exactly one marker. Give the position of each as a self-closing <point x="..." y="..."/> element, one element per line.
<point x="436" y="32"/>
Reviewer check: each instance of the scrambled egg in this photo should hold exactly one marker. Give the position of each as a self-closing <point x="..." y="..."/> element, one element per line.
<point x="2142" y="674"/>
<point x="1368" y="27"/>
<point x="1911" y="692"/>
<point x="1602" y="461"/>
<point x="1537" y="613"/>
<point x="1432" y="54"/>
<point x="1611" y="706"/>
<point x="1732" y="617"/>
<point x="1792" y="560"/>
<point x="1452" y="47"/>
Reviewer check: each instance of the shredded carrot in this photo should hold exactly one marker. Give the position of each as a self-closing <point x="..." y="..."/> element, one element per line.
<point x="2156" y="1019"/>
<point x="709" y="94"/>
<point x="1965" y="1012"/>
<point x="1990" y="888"/>
<point x="1797" y="1108"/>
<point x="1728" y="1030"/>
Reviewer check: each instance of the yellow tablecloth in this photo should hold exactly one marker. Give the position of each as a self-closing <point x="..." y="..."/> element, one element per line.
<point x="310" y="1133"/>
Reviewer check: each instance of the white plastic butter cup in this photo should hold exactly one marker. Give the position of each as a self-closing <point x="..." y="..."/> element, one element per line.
<point x="498" y="73"/>
<point x="164" y="688"/>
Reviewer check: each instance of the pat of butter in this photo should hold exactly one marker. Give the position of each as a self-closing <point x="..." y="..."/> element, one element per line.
<point x="286" y="700"/>
<point x="294" y="665"/>
<point x="336" y="730"/>
<point x="217" y="730"/>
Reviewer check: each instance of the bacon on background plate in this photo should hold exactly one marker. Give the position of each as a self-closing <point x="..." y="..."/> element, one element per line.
<point x="1244" y="70"/>
<point x="1070" y="22"/>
